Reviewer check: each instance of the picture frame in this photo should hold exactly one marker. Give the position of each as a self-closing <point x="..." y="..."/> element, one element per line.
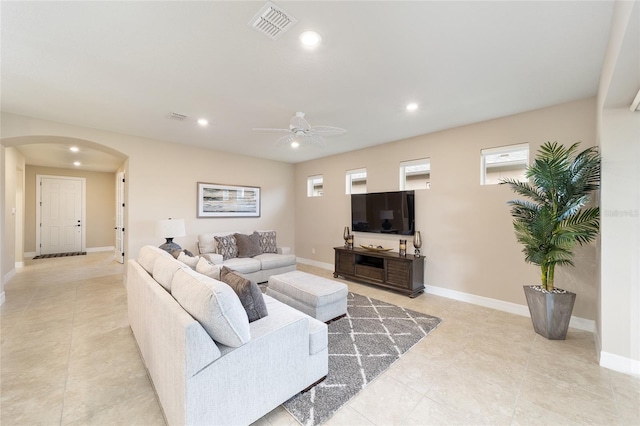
<point x="216" y="200"/>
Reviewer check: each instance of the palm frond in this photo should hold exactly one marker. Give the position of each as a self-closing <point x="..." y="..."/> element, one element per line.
<point x="554" y="219"/>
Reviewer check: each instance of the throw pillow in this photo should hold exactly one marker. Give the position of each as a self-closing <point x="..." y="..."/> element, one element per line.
<point x="227" y="247"/>
<point x="248" y="245"/>
<point x="248" y="292"/>
<point x="176" y="253"/>
<point x="190" y="261"/>
<point x="207" y="268"/>
<point x="268" y="241"/>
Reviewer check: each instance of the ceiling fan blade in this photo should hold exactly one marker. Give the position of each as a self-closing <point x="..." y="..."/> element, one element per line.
<point x="328" y="130"/>
<point x="315" y="139"/>
<point x="286" y="140"/>
<point x="298" y="122"/>
<point x="262" y="129"/>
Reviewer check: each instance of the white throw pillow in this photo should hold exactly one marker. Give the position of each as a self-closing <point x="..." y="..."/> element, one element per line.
<point x="190" y="261"/>
<point x="214" y="305"/>
<point x="208" y="268"/>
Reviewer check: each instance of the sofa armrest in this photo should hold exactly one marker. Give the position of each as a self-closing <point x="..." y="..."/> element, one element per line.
<point x="214" y="258"/>
<point x="284" y="250"/>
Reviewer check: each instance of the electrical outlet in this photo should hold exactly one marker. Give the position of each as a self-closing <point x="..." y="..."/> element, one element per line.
<point x="313" y="251"/>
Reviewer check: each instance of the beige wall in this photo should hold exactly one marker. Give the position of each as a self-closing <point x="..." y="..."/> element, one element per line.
<point x="618" y="325"/>
<point x="14" y="162"/>
<point x="100" y="205"/>
<point x="162" y="181"/>
<point x="467" y="234"/>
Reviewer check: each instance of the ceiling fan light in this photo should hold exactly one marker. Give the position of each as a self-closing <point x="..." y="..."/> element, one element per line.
<point x="203" y="122"/>
<point x="295" y="144"/>
<point x="310" y="38"/>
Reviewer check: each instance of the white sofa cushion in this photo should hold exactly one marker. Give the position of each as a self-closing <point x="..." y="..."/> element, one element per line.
<point x="244" y="265"/>
<point x="273" y="260"/>
<point x="164" y="270"/>
<point x="148" y="255"/>
<point x="214" y="305"/>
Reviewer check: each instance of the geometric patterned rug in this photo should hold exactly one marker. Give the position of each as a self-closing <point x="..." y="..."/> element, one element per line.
<point x="47" y="256"/>
<point x="372" y="336"/>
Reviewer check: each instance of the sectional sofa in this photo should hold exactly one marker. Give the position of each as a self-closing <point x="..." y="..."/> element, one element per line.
<point x="209" y="364"/>
<point x="256" y="265"/>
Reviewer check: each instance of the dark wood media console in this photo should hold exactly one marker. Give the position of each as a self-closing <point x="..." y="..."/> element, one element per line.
<point x="384" y="269"/>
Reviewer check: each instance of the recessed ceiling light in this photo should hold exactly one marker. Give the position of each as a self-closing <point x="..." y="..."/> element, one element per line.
<point x="74" y="149"/>
<point x="76" y="163"/>
<point x="310" y="38"/>
<point x="294" y="144"/>
<point x="412" y="106"/>
<point x="203" y="122"/>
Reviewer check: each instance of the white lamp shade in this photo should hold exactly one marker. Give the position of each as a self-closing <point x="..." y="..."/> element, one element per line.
<point x="170" y="228"/>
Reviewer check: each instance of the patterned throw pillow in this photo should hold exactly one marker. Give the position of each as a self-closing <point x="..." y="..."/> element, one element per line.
<point x="227" y="247"/>
<point x="268" y="242"/>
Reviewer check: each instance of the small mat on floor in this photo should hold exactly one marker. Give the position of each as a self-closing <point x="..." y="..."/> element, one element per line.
<point x="362" y="345"/>
<point x="47" y="256"/>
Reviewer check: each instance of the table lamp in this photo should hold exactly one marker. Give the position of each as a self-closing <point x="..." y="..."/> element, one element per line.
<point x="170" y="229"/>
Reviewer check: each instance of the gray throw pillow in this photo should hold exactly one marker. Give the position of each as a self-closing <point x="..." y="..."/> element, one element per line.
<point x="248" y="292"/>
<point x="227" y="247"/>
<point x="268" y="242"/>
<point x="248" y="245"/>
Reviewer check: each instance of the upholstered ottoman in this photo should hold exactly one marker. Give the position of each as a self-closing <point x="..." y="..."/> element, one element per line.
<point x="321" y="298"/>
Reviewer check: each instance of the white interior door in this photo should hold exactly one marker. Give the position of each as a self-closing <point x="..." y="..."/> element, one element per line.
<point x="119" y="248"/>
<point x="61" y="215"/>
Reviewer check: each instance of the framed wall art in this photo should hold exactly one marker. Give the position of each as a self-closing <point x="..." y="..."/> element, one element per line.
<point x="216" y="200"/>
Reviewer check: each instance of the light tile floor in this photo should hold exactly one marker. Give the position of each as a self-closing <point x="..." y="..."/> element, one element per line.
<point x="68" y="357"/>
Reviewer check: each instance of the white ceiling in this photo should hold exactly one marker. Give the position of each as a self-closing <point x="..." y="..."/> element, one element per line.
<point x="124" y="66"/>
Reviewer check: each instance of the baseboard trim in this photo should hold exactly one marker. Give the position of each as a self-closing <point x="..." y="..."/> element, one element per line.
<point x="501" y="305"/>
<point x="8" y="276"/>
<point x="327" y="266"/>
<point x="620" y="363"/>
<point x="97" y="249"/>
<point x="2" y="298"/>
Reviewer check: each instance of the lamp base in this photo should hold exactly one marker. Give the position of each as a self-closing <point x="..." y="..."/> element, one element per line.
<point x="169" y="246"/>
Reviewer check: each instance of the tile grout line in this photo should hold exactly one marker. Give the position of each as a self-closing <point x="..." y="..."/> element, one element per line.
<point x="524" y="375"/>
<point x="66" y="379"/>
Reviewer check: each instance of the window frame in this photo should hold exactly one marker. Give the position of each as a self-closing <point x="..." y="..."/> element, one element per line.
<point x="349" y="179"/>
<point x="500" y="150"/>
<point x="311" y="187"/>
<point x="403" y="171"/>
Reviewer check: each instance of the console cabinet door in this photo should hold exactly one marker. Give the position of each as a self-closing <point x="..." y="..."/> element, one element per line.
<point x="398" y="273"/>
<point x="345" y="263"/>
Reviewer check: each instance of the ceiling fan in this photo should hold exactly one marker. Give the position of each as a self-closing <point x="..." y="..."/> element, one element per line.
<point x="301" y="131"/>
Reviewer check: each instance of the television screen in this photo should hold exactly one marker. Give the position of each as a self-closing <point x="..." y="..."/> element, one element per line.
<point x="383" y="212"/>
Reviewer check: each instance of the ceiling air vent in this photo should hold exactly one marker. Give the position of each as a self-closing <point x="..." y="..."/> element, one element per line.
<point x="272" y="21"/>
<point x="177" y="117"/>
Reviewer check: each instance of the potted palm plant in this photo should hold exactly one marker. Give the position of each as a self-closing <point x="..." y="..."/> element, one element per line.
<point x="551" y="222"/>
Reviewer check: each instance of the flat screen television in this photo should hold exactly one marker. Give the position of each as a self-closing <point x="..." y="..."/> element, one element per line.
<point x="384" y="212"/>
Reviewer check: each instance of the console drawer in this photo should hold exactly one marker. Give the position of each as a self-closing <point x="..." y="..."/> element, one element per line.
<point x="370" y="272"/>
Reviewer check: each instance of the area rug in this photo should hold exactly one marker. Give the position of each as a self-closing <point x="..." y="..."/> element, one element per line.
<point x="47" y="256"/>
<point x="362" y="345"/>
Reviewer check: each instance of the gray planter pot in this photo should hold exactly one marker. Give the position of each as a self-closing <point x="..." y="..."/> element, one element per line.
<point x="550" y="312"/>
